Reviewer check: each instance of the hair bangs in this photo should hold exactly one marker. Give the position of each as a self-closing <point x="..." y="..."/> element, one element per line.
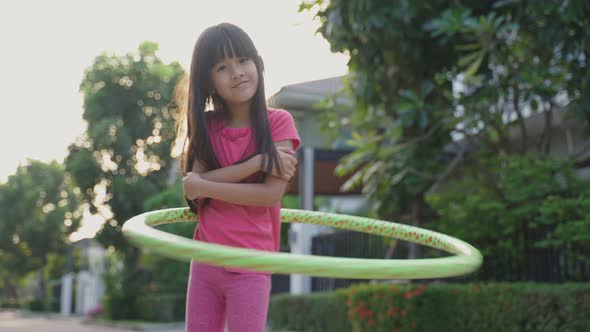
<point x="233" y="42"/>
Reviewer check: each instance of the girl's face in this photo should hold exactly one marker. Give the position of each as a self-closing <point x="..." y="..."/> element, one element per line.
<point x="235" y="79"/>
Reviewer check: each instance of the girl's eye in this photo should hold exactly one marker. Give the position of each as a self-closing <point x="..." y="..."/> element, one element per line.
<point x="220" y="68"/>
<point x="242" y="60"/>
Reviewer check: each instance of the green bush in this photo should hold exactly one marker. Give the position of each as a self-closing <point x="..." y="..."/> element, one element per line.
<point x="36" y="305"/>
<point x="52" y="304"/>
<point x="538" y="205"/>
<point x="319" y="312"/>
<point x="161" y="307"/>
<point x="10" y="303"/>
<point x="119" y="306"/>
<point x="490" y="307"/>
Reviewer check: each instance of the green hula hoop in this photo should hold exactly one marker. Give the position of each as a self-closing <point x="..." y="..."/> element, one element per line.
<point x="466" y="258"/>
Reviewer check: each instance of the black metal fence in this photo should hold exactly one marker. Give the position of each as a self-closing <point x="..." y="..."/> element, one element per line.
<point x="346" y="244"/>
<point x="281" y="283"/>
<point x="551" y="265"/>
<point x="537" y="264"/>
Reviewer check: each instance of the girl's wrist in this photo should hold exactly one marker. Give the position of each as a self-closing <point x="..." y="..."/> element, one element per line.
<point x="257" y="163"/>
<point x="203" y="186"/>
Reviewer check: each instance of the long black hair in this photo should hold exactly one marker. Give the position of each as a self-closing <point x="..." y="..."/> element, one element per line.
<point x="213" y="45"/>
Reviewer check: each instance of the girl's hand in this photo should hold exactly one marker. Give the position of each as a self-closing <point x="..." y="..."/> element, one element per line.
<point x="288" y="163"/>
<point x="191" y="185"/>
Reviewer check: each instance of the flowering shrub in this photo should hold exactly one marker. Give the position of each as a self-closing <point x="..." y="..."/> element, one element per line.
<point x="96" y="311"/>
<point x="490" y="307"/>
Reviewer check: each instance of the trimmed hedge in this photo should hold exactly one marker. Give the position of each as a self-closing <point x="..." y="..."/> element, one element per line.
<point x="317" y="312"/>
<point x="10" y="303"/>
<point x="438" y="307"/>
<point x="161" y="307"/>
<point x="119" y="306"/>
<point x="149" y="307"/>
<point x="36" y="305"/>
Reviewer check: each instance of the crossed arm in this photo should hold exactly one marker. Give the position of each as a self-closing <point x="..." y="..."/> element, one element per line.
<point x="221" y="183"/>
<point x="229" y="174"/>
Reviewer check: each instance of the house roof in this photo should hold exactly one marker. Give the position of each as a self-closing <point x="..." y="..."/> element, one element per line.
<point x="304" y="96"/>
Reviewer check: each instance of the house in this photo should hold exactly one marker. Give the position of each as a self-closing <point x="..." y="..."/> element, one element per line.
<point x="569" y="137"/>
<point x="318" y="159"/>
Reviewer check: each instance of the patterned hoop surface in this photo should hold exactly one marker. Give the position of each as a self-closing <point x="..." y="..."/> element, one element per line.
<point x="466" y="259"/>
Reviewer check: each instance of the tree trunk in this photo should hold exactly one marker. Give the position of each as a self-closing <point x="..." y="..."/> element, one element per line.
<point x="9" y="291"/>
<point x="42" y="285"/>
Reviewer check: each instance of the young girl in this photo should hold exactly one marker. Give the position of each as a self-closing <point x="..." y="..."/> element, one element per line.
<point x="237" y="161"/>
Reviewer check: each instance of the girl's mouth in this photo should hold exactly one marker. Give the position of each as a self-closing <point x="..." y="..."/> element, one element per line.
<point x="240" y="84"/>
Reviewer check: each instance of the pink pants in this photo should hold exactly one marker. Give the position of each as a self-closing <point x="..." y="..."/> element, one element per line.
<point x="214" y="294"/>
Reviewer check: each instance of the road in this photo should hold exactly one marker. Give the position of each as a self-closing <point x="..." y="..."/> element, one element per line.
<point x="11" y="321"/>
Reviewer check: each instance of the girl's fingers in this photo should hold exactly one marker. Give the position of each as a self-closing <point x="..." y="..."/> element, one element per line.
<point x="286" y="149"/>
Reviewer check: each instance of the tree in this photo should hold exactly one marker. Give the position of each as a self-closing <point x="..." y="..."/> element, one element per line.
<point x="131" y="126"/>
<point x="124" y="157"/>
<point x="433" y="81"/>
<point x="39" y="209"/>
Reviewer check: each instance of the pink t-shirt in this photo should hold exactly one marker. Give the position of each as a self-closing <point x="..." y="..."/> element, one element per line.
<point x="254" y="227"/>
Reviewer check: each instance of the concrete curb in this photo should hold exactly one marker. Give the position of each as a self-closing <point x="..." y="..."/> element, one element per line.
<point x="145" y="326"/>
<point x="40" y="314"/>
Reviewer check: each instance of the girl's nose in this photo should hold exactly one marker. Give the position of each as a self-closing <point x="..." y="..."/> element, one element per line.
<point x="238" y="73"/>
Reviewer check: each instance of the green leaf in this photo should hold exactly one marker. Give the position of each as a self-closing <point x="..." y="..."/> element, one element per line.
<point x="403" y="107"/>
<point x="352" y="182"/>
<point x="468" y="59"/>
<point x="397" y="178"/>
<point x="306" y="5"/>
<point x="474" y="67"/>
<point x="407" y="118"/>
<point x="352" y="161"/>
<point x="423" y="122"/>
<point x="425" y="89"/>
<point x="469" y="47"/>
<point x="534" y="105"/>
<point x="409" y="95"/>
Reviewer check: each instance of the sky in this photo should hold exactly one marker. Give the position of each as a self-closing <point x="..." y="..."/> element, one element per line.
<point x="47" y="45"/>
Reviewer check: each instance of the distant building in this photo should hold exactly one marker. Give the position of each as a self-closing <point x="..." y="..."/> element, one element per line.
<point x="88" y="282"/>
